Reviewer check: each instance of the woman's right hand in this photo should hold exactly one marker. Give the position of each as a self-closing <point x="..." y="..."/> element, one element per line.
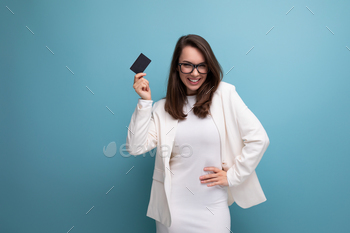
<point x="141" y="86"/>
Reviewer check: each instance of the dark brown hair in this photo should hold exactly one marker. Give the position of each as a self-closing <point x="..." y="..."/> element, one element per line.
<point x="176" y="91"/>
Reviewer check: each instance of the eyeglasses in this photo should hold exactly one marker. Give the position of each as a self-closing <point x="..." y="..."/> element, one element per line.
<point x="187" y="68"/>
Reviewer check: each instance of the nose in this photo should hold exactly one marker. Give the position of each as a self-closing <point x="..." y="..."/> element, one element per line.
<point x="195" y="72"/>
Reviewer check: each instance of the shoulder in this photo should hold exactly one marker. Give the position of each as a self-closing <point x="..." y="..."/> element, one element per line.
<point x="225" y="87"/>
<point x="159" y="105"/>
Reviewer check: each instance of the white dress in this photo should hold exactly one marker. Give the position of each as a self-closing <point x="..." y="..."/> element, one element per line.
<point x="194" y="206"/>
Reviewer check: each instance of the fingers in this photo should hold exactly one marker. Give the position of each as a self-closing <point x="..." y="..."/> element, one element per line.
<point x="139" y="76"/>
<point x="219" y="178"/>
<point x="210" y="180"/>
<point x="140" y="82"/>
<point x="141" y="86"/>
<point x="214" y="169"/>
<point x="212" y="184"/>
<point x="145" y="87"/>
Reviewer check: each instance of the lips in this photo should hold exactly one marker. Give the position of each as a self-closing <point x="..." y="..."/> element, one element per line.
<point x="193" y="82"/>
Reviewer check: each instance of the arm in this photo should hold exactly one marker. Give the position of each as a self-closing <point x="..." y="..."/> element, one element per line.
<point x="142" y="134"/>
<point x="254" y="138"/>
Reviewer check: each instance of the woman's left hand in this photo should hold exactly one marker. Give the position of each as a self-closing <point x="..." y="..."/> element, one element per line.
<point x="219" y="177"/>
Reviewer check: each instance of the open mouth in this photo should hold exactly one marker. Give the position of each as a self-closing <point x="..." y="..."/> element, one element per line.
<point x="194" y="81"/>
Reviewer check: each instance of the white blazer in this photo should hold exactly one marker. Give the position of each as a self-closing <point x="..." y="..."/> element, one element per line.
<point x="243" y="142"/>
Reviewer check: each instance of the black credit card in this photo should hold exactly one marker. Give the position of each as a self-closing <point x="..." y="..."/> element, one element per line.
<point x="140" y="64"/>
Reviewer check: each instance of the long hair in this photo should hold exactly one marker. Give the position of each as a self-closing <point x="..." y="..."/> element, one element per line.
<point x="176" y="91"/>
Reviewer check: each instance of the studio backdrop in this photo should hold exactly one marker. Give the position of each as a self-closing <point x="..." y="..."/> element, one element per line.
<point x="67" y="98"/>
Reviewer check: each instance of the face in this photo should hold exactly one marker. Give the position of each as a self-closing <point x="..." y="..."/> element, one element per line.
<point x="191" y="55"/>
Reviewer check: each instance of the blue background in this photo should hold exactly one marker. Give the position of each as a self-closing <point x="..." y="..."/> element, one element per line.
<point x="61" y="107"/>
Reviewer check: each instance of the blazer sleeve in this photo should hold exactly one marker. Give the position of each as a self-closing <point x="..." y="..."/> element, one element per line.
<point x="142" y="133"/>
<point x="254" y="137"/>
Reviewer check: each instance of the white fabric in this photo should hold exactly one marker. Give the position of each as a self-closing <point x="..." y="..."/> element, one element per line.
<point x="195" y="207"/>
<point x="145" y="103"/>
<point x="243" y="141"/>
<point x="148" y="104"/>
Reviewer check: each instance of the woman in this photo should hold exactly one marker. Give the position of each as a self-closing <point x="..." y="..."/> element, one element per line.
<point x="215" y="143"/>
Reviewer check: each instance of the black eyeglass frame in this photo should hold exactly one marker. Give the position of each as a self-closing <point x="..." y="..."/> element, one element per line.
<point x="193" y="66"/>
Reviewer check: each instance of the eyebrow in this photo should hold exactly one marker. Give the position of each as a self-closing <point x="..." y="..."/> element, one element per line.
<point x="192" y="63"/>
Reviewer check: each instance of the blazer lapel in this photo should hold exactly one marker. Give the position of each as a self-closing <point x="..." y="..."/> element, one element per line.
<point x="219" y="120"/>
<point x="170" y="132"/>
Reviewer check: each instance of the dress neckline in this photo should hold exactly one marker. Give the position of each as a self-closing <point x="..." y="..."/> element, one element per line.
<point x="191" y="96"/>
